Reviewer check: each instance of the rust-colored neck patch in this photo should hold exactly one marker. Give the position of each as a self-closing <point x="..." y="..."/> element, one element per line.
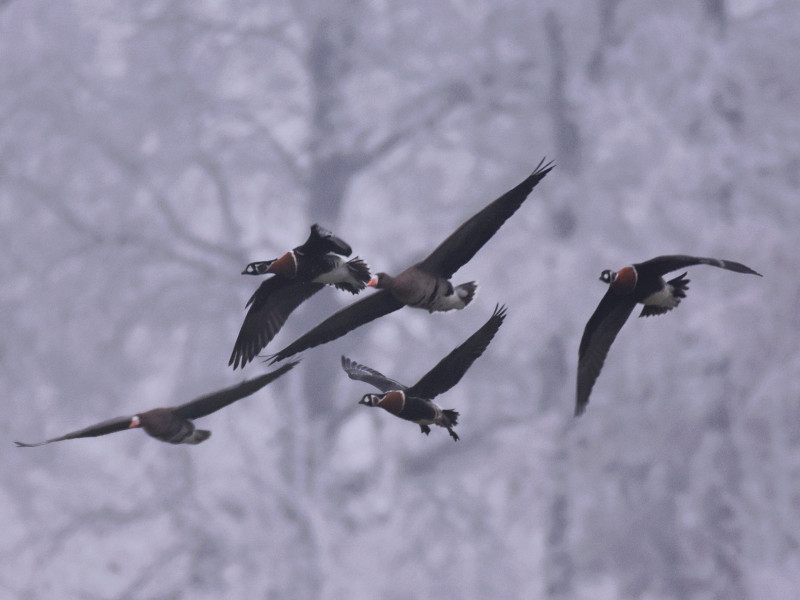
<point x="393" y="402"/>
<point x="625" y="281"/>
<point x="285" y="266"/>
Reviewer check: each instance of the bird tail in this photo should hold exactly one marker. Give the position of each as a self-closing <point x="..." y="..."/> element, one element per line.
<point x="199" y="435"/>
<point x="449" y="418"/>
<point x="466" y="291"/>
<point x="677" y="289"/>
<point x="359" y="274"/>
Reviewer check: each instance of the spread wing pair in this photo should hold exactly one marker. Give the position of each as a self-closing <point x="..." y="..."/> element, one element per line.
<point x="638" y="283"/>
<point x="173" y="424"/>
<point x="447" y="372"/>
<point x="441" y="264"/>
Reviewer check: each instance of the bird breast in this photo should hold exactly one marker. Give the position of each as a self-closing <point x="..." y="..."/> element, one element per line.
<point x="393" y="402"/>
<point x="625" y="281"/>
<point x="417" y="288"/>
<point x="285" y="266"/>
<point x="164" y="425"/>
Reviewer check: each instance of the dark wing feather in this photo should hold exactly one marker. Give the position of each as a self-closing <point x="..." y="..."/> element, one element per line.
<point x="673" y="262"/>
<point x="205" y="405"/>
<point x="452" y="367"/>
<point x="465" y="241"/>
<point x="102" y="428"/>
<point x="321" y="241"/>
<point x="270" y="306"/>
<point x="360" y="372"/>
<point x="599" y="334"/>
<point x="339" y="323"/>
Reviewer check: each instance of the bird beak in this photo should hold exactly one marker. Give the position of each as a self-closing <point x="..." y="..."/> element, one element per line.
<point x="135" y="422"/>
<point x="373" y="282"/>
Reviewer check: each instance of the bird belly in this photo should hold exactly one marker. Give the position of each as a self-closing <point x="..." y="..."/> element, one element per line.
<point x="419" y="411"/>
<point x="437" y="296"/>
<point x="174" y="431"/>
<point x="663" y="298"/>
<point x="334" y="272"/>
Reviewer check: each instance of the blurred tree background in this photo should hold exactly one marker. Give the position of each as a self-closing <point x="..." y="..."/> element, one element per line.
<point x="149" y="150"/>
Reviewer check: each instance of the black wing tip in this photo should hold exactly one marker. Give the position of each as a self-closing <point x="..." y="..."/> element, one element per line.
<point x="748" y="271"/>
<point x="282" y="370"/>
<point x="349" y="366"/>
<point x="500" y="311"/>
<point x="274" y="358"/>
<point x="289" y="366"/>
<point x="24" y="445"/>
<point x="239" y="358"/>
<point x="335" y="244"/>
<point x="543" y="169"/>
<point x="736" y="267"/>
<point x="580" y="408"/>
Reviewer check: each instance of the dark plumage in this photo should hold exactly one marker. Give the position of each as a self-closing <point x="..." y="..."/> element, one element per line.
<point x="639" y="283"/>
<point x="426" y="284"/>
<point x="415" y="403"/>
<point x="174" y="424"/>
<point x="297" y="275"/>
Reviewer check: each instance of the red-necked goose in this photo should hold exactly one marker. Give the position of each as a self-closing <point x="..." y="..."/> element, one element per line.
<point x="426" y="284"/>
<point x="415" y="403"/>
<point x="174" y="424"/>
<point x="297" y="275"/>
<point x="639" y="283"/>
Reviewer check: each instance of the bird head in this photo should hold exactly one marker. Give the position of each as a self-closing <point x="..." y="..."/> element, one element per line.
<point x="258" y="268"/>
<point x="370" y="399"/>
<point x="378" y="281"/>
<point x="608" y="276"/>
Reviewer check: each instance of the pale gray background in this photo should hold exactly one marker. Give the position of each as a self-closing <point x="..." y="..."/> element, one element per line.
<point x="150" y="149"/>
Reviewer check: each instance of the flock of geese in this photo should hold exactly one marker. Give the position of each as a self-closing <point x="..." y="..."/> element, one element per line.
<point x="305" y="270"/>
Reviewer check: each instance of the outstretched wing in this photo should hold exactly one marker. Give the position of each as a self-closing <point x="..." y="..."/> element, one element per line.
<point x="673" y="262"/>
<point x="471" y="235"/>
<point x="274" y="300"/>
<point x="339" y="323"/>
<point x="603" y="326"/>
<point x="205" y="405"/>
<point x="452" y="367"/>
<point x="102" y="428"/>
<point x="360" y="372"/>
